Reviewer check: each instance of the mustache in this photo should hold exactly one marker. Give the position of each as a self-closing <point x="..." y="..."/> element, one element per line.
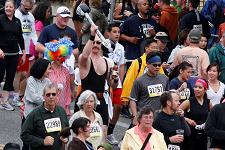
<point x="96" y="47"/>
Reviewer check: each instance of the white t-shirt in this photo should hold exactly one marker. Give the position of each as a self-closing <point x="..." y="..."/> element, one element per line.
<point x="118" y="57"/>
<point x="28" y="28"/>
<point x="215" y="97"/>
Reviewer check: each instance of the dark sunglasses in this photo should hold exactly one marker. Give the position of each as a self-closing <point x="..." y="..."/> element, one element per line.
<point x="49" y="94"/>
<point x="97" y="42"/>
<point x="156" y="65"/>
<point x="156" y="14"/>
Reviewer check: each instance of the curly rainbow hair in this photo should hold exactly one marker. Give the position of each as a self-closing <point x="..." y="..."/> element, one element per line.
<point x="56" y="49"/>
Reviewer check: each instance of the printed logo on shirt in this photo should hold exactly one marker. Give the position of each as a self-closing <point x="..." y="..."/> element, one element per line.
<point x="155" y="90"/>
<point x="96" y="130"/>
<point x="185" y="94"/>
<point x="53" y="125"/>
<point x="145" y="29"/>
<point x="194" y="60"/>
<point x="173" y="147"/>
<point x="26" y="26"/>
<point x="199" y="27"/>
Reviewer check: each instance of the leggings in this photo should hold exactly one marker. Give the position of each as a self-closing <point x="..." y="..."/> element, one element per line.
<point x="8" y="65"/>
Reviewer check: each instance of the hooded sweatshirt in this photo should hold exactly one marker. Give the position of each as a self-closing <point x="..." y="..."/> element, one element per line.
<point x="217" y="55"/>
<point x="169" y="20"/>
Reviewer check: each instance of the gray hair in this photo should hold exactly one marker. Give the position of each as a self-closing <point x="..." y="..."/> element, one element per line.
<point x="84" y="96"/>
<point x="50" y="86"/>
<point x="28" y="1"/>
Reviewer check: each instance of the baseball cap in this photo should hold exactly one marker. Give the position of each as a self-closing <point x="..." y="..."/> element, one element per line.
<point x="63" y="11"/>
<point x="195" y="35"/>
<point x="162" y="36"/>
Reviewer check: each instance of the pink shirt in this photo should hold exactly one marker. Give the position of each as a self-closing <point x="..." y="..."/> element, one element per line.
<point x="140" y="134"/>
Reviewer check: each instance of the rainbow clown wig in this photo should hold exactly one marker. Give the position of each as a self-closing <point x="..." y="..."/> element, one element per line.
<point x="58" y="50"/>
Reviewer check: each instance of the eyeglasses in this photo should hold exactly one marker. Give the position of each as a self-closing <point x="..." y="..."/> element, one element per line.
<point x="156" y="65"/>
<point x="97" y="42"/>
<point x="49" y="94"/>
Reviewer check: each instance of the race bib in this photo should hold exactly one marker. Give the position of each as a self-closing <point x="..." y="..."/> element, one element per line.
<point x="53" y="125"/>
<point x="173" y="147"/>
<point x="96" y="130"/>
<point x="26" y="26"/>
<point x="155" y="90"/>
<point x="185" y="94"/>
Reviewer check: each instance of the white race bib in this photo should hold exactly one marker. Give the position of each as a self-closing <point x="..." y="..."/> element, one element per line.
<point x="173" y="147"/>
<point x="155" y="90"/>
<point x="96" y="130"/>
<point x="53" y="125"/>
<point x="185" y="94"/>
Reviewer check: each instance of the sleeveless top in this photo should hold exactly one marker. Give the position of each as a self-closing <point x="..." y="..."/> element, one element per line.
<point x="93" y="81"/>
<point x="197" y="112"/>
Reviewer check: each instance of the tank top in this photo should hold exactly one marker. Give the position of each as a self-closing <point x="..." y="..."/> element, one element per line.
<point x="93" y="81"/>
<point x="198" y="113"/>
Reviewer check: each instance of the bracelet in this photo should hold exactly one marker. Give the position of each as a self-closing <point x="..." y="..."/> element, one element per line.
<point x="92" y="38"/>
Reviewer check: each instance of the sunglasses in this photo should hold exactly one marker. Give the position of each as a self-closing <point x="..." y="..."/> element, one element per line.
<point x="49" y="94"/>
<point x="156" y="65"/>
<point x="156" y="14"/>
<point x="97" y="42"/>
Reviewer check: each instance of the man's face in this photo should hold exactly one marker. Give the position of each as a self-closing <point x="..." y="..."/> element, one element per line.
<point x="50" y="97"/>
<point x="161" y="44"/>
<point x="175" y="102"/>
<point x="153" y="47"/>
<point x="26" y="7"/>
<point x="143" y="6"/>
<point x="153" y="68"/>
<point x="114" y="34"/>
<point x="62" y="21"/>
<point x="96" y="45"/>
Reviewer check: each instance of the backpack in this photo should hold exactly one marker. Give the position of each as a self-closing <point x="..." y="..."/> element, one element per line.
<point x="139" y="62"/>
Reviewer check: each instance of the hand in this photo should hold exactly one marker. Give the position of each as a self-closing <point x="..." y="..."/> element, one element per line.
<point x="134" y="40"/>
<point x="134" y="121"/>
<point x="48" y="141"/>
<point x="165" y="65"/>
<point x="64" y="140"/>
<point x="176" y="139"/>
<point x="2" y="55"/>
<point x="151" y="31"/>
<point x="191" y="122"/>
<point x="93" y="29"/>
<point x="180" y="112"/>
<point x="23" y="59"/>
<point x="127" y="13"/>
<point x="183" y="86"/>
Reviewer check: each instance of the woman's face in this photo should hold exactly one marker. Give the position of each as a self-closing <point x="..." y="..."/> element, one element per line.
<point x="89" y="104"/>
<point x="199" y="90"/>
<point x="48" y="70"/>
<point x="146" y="121"/>
<point x="186" y="73"/>
<point x="203" y="42"/>
<point x="86" y="131"/>
<point x="9" y="8"/>
<point x="213" y="73"/>
<point x="48" y="13"/>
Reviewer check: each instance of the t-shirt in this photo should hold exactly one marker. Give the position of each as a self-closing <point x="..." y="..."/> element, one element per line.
<point x="28" y="28"/>
<point x="215" y="97"/>
<point x="52" y="32"/>
<point x="185" y="93"/>
<point x="135" y="26"/>
<point x="168" y="124"/>
<point x="147" y="90"/>
<point x="195" y="56"/>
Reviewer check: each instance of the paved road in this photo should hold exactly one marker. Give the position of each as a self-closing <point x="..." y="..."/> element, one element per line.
<point x="10" y="124"/>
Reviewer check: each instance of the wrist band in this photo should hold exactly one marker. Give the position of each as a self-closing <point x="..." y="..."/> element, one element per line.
<point x="92" y="38"/>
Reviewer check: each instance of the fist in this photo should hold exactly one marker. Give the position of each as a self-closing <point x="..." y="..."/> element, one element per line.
<point x="48" y="141"/>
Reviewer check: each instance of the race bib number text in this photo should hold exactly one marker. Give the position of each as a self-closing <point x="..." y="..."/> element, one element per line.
<point x="155" y="90"/>
<point x="53" y="125"/>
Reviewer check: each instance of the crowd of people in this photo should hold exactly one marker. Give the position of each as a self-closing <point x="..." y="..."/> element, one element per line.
<point x="164" y="66"/>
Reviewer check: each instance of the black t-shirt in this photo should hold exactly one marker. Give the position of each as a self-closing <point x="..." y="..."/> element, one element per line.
<point x="168" y="124"/>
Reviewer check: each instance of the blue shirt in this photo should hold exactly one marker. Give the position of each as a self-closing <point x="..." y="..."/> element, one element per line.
<point x="52" y="32"/>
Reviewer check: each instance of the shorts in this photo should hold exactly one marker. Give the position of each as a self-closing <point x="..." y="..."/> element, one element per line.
<point x="116" y="97"/>
<point x="25" y="66"/>
<point x="102" y="109"/>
